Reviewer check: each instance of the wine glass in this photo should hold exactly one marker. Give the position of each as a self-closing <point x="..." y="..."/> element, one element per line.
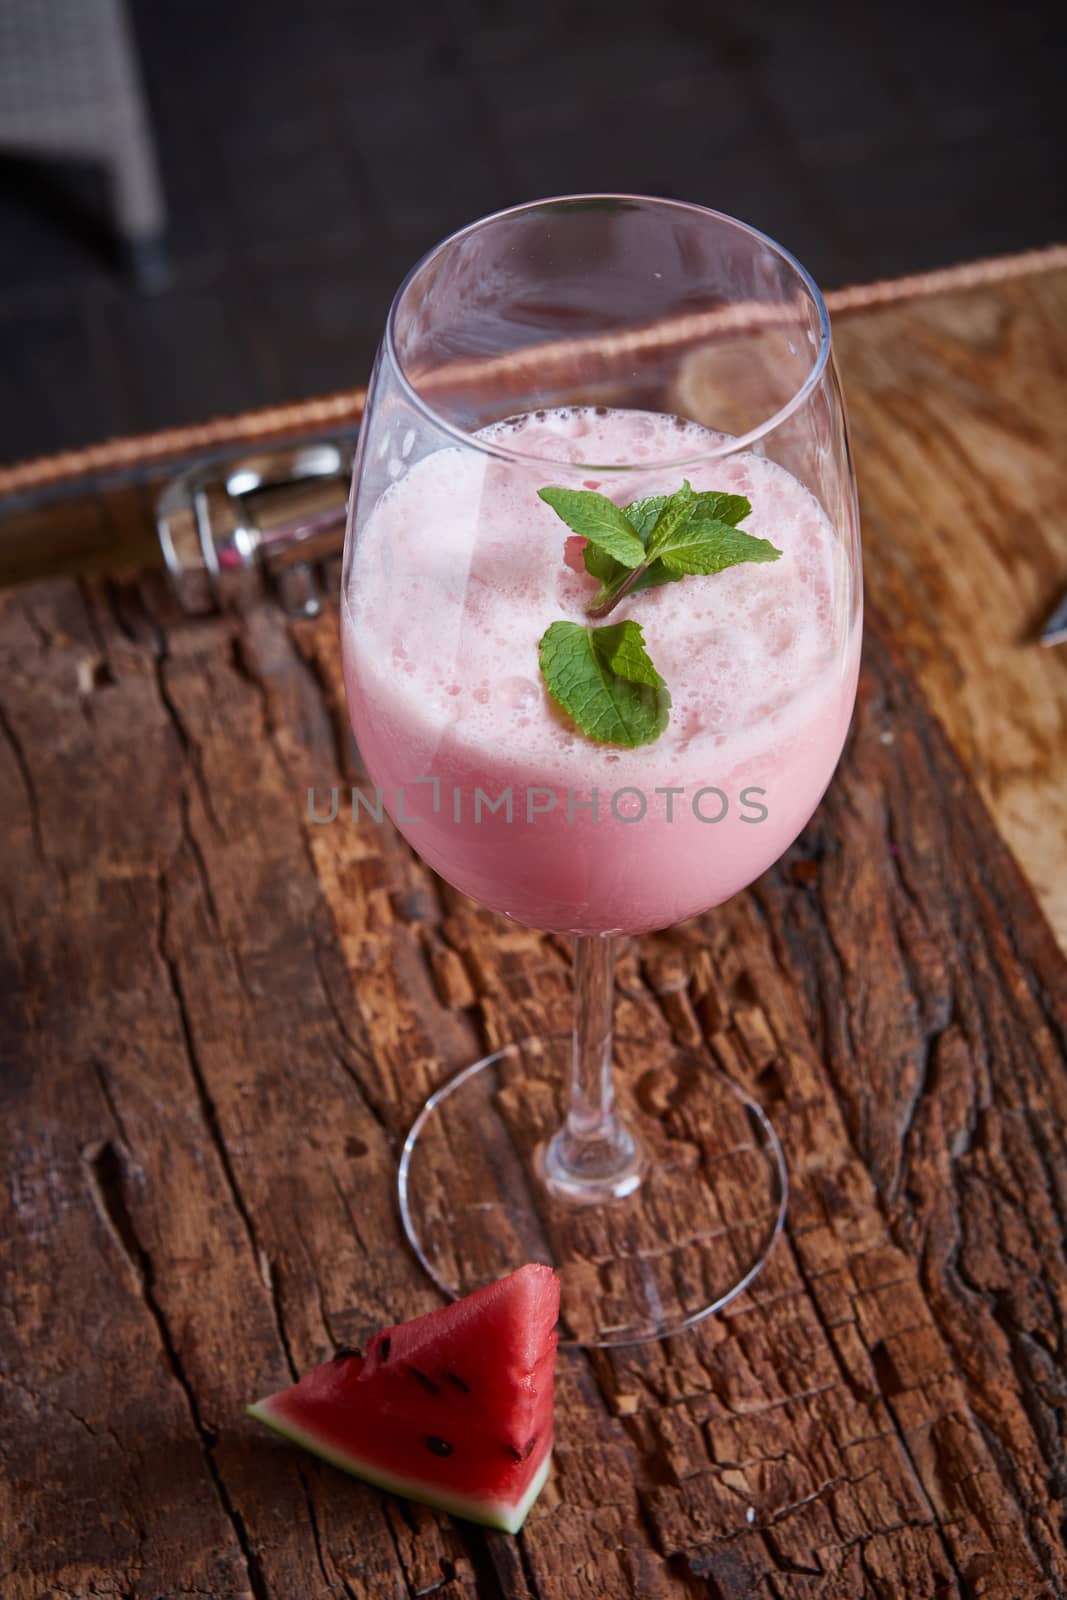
<point x="632" y="350"/>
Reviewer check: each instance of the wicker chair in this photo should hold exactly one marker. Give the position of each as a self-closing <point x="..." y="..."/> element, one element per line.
<point x="70" y="87"/>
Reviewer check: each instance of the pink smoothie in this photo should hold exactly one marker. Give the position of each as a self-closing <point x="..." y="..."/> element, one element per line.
<point x="457" y="572"/>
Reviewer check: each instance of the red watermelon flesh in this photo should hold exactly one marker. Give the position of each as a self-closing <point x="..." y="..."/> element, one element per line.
<point x="453" y="1408"/>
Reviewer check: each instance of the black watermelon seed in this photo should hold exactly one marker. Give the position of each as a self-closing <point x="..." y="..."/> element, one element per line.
<point x="458" y="1381"/>
<point x="524" y="1453"/>
<point x="427" y="1383"/>
<point x="439" y="1447"/>
<point x="383" y="1350"/>
<point x="345" y="1353"/>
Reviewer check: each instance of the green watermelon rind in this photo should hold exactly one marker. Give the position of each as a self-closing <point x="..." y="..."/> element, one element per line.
<point x="491" y="1513"/>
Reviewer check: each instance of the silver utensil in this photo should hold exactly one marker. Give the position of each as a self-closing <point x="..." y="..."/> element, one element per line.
<point x="281" y="511"/>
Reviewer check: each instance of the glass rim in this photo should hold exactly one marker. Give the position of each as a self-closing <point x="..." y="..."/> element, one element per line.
<point x="731" y="444"/>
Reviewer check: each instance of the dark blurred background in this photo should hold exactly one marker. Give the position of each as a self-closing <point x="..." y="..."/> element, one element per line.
<point x="308" y="155"/>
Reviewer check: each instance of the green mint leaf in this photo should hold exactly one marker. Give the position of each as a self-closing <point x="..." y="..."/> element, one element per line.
<point x="600" y="565"/>
<point x="676" y="512"/>
<point x="695" y="534"/>
<point x="642" y="514"/>
<point x="731" y="508"/>
<point x="621" y="647"/>
<point x="703" y="545"/>
<point x="597" y="519"/>
<point x="604" y="679"/>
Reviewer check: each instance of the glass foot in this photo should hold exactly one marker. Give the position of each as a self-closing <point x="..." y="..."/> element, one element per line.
<point x="689" y="1232"/>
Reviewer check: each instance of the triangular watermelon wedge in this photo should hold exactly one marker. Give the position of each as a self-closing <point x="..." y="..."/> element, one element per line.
<point x="453" y="1408"/>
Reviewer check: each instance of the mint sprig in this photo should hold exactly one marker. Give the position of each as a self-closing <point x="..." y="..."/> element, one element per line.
<point x="604" y="677"/>
<point x="681" y="534"/>
<point x="605" y="681"/>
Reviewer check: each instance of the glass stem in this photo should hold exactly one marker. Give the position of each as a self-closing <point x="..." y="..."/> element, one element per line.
<point x="592" y="1113"/>
<point x="594" y="1156"/>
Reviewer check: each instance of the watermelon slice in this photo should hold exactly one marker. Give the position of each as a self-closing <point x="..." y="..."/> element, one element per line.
<point x="453" y="1408"/>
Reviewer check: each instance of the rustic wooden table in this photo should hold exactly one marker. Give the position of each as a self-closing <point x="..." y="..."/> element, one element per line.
<point x="217" y="1019"/>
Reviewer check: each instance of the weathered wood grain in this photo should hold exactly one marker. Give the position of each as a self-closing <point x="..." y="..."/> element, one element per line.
<point x="958" y="406"/>
<point x="218" y="1019"/>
